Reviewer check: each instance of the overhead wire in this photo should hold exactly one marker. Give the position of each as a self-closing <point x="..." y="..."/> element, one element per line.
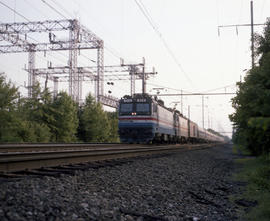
<point x="54" y="9"/>
<point x="15" y="4"/>
<point x="110" y="49"/>
<point x="59" y="5"/>
<point x="37" y="9"/>
<point x="68" y="13"/>
<point x="58" y="12"/>
<point x="40" y="11"/>
<point x="224" y="87"/>
<point x="169" y="88"/>
<point x="171" y="53"/>
<point x="15" y="11"/>
<point x="63" y="8"/>
<point x="21" y="15"/>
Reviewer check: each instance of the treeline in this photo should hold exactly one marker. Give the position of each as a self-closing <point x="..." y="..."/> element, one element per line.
<point x="44" y="118"/>
<point x="252" y="103"/>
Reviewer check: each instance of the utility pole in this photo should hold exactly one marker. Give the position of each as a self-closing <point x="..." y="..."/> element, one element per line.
<point x="209" y="126"/>
<point x="188" y="111"/>
<point x="203" y="111"/>
<point x="252" y="34"/>
<point x="137" y="71"/>
<point x="182" y="101"/>
<point x="143" y="77"/>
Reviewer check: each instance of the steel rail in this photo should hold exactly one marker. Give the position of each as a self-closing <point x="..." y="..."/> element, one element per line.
<point x="16" y="147"/>
<point x="12" y="161"/>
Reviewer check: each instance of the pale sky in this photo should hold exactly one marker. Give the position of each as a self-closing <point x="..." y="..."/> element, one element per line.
<point x="204" y="61"/>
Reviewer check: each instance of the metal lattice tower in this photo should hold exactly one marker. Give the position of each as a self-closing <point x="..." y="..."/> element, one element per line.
<point x="74" y="84"/>
<point x="80" y="38"/>
<point x="31" y="68"/>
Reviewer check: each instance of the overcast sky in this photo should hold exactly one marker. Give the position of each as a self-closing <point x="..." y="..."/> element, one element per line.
<point x="182" y="44"/>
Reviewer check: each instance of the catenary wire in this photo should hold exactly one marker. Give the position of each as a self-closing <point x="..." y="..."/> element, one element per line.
<point x="171" y="53"/>
<point x="21" y="15"/>
<point x="108" y="49"/>
<point x="112" y="51"/>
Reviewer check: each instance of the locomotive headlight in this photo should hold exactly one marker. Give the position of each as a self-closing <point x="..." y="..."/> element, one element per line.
<point x="134" y="113"/>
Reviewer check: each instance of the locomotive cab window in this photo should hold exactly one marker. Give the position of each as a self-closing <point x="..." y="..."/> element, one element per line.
<point x="126" y="109"/>
<point x="143" y="108"/>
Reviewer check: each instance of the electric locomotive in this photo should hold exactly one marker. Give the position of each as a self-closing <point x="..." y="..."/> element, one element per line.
<point x="137" y="119"/>
<point x="143" y="119"/>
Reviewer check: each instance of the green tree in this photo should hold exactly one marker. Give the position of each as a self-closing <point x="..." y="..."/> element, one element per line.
<point x="65" y="118"/>
<point x="9" y="120"/>
<point x="37" y="114"/>
<point x="252" y="103"/>
<point x="94" y="123"/>
<point x="113" y="127"/>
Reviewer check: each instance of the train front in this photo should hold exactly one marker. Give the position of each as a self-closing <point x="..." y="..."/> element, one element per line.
<point x="136" y="123"/>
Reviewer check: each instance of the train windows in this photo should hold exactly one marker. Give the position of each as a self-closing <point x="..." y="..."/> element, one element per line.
<point x="125" y="108"/>
<point x="143" y="108"/>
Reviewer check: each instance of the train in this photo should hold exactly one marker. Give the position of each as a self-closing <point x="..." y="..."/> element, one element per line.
<point x="145" y="119"/>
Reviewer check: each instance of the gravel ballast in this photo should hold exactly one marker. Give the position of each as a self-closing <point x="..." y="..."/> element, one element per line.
<point x="192" y="185"/>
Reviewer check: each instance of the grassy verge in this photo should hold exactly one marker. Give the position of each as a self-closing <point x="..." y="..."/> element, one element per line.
<point x="239" y="149"/>
<point x="256" y="172"/>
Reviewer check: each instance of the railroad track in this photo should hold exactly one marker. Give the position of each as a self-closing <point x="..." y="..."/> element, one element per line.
<point x="27" y="157"/>
<point x="52" y="146"/>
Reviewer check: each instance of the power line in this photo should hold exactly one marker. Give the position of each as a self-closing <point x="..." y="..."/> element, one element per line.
<point x="37" y="41"/>
<point x="21" y="15"/>
<point x="150" y="21"/>
<point x="194" y="94"/>
<point x="37" y="9"/>
<point x="14" y="11"/>
<point x="54" y="9"/>
<point x="110" y="49"/>
<point x="107" y="47"/>
<point x="148" y="13"/>
<point x="165" y="87"/>
<point x="224" y="87"/>
<point x="60" y="6"/>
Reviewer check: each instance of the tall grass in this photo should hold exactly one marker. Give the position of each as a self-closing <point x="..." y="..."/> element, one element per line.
<point x="256" y="172"/>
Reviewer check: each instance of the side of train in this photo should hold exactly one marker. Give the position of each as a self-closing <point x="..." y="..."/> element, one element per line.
<point x="143" y="119"/>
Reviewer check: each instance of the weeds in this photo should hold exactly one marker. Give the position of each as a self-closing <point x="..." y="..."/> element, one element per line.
<point x="256" y="172"/>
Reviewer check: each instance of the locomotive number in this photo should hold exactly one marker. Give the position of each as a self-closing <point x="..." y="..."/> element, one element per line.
<point x="141" y="100"/>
